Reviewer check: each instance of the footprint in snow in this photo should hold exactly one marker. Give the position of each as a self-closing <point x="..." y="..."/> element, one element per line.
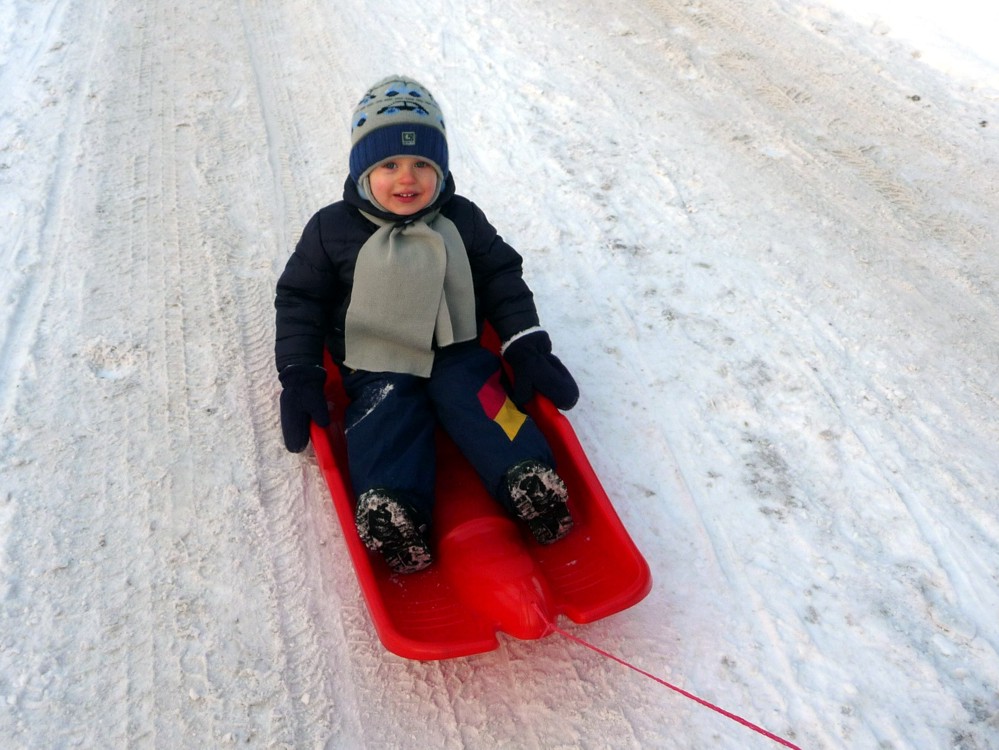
<point x="109" y="361"/>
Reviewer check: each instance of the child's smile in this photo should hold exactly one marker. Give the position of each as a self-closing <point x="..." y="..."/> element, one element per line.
<point x="403" y="185"/>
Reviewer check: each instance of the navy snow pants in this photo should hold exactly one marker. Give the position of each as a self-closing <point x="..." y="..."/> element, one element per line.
<point x="391" y="419"/>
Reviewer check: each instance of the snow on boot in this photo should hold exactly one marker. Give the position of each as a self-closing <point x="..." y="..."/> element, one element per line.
<point x="539" y="497"/>
<point x="388" y="525"/>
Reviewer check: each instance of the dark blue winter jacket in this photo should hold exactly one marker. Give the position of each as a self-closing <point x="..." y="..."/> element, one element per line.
<point x="314" y="290"/>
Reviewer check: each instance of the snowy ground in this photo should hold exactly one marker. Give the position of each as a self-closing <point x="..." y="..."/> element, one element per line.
<point x="763" y="235"/>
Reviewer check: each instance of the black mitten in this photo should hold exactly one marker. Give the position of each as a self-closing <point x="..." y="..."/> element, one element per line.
<point x="535" y="368"/>
<point x="302" y="401"/>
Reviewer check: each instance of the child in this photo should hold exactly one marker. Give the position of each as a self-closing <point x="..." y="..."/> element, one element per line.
<point x="397" y="280"/>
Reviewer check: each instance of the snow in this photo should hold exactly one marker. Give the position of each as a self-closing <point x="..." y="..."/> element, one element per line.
<point x="762" y="235"/>
<point x="953" y="37"/>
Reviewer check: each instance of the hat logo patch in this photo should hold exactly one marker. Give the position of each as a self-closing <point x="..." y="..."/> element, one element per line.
<point x="408" y="138"/>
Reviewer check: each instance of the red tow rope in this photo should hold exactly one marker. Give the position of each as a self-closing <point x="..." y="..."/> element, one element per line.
<point x="681" y="691"/>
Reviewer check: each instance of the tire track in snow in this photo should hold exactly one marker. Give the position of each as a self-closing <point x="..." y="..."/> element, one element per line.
<point x="56" y="122"/>
<point x="218" y="320"/>
<point x="153" y="269"/>
<point x="301" y="662"/>
<point x="164" y="667"/>
<point x="296" y="532"/>
<point x="85" y="587"/>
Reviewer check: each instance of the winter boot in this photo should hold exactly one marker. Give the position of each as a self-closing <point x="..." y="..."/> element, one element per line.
<point x="538" y="496"/>
<point x="389" y="525"/>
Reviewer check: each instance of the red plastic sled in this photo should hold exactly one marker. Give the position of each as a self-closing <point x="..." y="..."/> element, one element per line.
<point x="489" y="574"/>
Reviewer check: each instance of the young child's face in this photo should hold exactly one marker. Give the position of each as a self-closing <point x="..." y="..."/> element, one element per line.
<point x="403" y="185"/>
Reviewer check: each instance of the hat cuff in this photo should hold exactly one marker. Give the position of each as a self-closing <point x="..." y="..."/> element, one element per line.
<point x="402" y="139"/>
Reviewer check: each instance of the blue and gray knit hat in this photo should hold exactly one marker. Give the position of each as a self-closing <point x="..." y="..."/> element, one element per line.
<point x="396" y="117"/>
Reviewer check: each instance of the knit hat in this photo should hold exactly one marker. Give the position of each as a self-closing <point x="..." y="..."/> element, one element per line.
<point x="397" y="117"/>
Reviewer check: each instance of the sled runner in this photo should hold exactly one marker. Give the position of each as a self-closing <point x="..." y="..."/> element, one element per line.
<point x="489" y="574"/>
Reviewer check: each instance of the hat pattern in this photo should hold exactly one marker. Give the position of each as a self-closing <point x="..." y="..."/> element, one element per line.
<point x="397" y="117"/>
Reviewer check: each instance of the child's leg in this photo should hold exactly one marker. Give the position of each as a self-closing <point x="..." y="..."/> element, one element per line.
<point x="389" y="426"/>
<point x="504" y="445"/>
<point x="390" y="449"/>
<point x="474" y="409"/>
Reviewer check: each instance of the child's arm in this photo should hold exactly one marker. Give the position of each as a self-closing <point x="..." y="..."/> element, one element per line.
<point x="508" y="303"/>
<point x="301" y="300"/>
<point x="303" y="297"/>
<point x="502" y="295"/>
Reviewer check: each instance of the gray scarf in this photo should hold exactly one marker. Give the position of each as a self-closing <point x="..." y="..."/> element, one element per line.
<point x="412" y="287"/>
